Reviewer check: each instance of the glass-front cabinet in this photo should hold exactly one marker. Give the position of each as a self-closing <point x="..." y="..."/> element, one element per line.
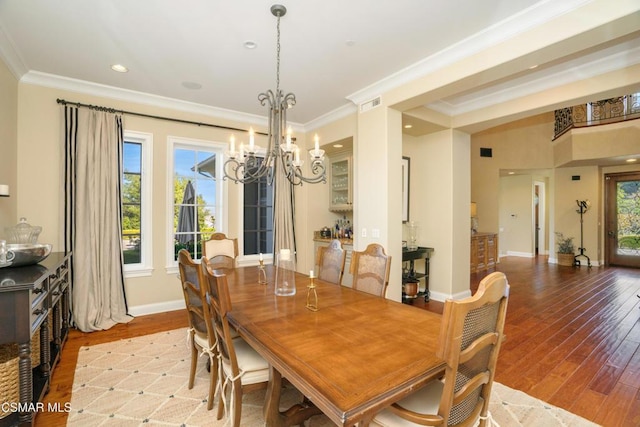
<point x="341" y="180"/>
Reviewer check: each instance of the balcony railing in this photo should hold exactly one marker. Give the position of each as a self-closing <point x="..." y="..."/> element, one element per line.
<point x="611" y="110"/>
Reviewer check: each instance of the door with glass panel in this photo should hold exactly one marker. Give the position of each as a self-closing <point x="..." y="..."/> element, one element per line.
<point x="622" y="219"/>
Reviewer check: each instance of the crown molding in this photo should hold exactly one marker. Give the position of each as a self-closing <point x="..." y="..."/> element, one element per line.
<point x="111" y="92"/>
<point x="330" y="117"/>
<point x="521" y="22"/>
<point x="549" y="79"/>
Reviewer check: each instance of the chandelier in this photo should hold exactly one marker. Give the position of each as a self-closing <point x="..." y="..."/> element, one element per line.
<point x="251" y="162"/>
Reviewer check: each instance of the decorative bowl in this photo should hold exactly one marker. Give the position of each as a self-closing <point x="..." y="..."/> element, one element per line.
<point x="28" y="253"/>
<point x="23" y="232"/>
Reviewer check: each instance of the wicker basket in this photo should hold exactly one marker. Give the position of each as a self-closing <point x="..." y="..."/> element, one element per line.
<point x="9" y="378"/>
<point x="35" y="349"/>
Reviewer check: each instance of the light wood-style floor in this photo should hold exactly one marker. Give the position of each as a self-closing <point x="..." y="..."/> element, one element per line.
<point x="573" y="340"/>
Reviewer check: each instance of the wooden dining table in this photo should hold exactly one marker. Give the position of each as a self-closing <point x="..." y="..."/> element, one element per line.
<point x="354" y="356"/>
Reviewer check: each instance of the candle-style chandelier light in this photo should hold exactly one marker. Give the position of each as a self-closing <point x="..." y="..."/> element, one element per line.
<point x="252" y="162"/>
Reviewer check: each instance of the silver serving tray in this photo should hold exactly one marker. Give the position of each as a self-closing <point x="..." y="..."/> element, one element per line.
<point x="27" y="254"/>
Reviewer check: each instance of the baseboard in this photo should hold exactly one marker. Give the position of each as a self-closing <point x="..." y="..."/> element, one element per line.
<point x="442" y="297"/>
<point x="161" y="307"/>
<point x="520" y="254"/>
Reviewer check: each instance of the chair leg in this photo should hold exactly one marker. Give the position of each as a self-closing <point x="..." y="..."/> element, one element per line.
<point x="221" y="400"/>
<point x="194" y="364"/>
<point x="213" y="378"/>
<point x="237" y="406"/>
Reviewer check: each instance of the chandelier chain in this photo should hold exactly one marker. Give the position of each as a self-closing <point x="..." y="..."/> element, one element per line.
<point x="278" y="57"/>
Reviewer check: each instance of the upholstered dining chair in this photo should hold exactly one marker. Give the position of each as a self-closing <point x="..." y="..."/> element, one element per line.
<point x="202" y="338"/>
<point x="221" y="251"/>
<point x="240" y="366"/>
<point x="370" y="269"/>
<point x="470" y="338"/>
<point x="330" y="261"/>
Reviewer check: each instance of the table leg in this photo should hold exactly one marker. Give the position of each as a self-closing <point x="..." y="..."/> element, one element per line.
<point x="272" y="399"/>
<point x="294" y="416"/>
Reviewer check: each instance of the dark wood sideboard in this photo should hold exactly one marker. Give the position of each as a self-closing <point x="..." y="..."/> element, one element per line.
<point x="35" y="298"/>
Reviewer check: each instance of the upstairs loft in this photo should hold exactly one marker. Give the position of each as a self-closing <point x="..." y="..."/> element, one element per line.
<point x="597" y="132"/>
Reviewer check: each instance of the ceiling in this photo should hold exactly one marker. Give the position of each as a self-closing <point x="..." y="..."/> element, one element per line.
<point x="331" y="51"/>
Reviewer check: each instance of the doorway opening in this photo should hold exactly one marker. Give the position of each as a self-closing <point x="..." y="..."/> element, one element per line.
<point x="539" y="218"/>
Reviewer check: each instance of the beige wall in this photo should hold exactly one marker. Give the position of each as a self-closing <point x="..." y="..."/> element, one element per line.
<point x="567" y="220"/>
<point x="505" y="203"/>
<point x="8" y="146"/>
<point x="522" y="145"/>
<point x="315" y="210"/>
<point x="613" y="140"/>
<point x="438" y="160"/>
<point x="38" y="182"/>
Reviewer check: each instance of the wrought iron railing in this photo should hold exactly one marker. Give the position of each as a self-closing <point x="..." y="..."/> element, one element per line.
<point x="596" y="113"/>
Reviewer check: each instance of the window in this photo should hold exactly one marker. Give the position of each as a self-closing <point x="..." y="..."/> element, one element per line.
<point x="197" y="202"/>
<point x="136" y="203"/>
<point x="258" y="217"/>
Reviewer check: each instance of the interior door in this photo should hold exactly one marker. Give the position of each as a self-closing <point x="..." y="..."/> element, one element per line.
<point x="622" y="219"/>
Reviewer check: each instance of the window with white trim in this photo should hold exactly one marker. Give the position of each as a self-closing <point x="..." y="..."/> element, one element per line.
<point x="196" y="187"/>
<point x="136" y="203"/>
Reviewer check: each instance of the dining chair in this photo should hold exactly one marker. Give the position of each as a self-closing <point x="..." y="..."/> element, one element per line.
<point x="330" y="261"/>
<point x="470" y="337"/>
<point x="370" y="269"/>
<point x="221" y="251"/>
<point x="201" y="336"/>
<point x="240" y="366"/>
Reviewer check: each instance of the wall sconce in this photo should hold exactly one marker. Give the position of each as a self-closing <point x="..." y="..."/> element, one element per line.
<point x="4" y="190"/>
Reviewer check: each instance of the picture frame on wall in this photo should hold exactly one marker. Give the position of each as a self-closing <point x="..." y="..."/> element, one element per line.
<point x="406" y="165"/>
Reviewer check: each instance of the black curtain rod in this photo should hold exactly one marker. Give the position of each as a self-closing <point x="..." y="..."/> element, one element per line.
<point x="131" y="113"/>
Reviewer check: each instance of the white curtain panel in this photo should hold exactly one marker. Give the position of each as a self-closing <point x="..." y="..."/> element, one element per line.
<point x="92" y="220"/>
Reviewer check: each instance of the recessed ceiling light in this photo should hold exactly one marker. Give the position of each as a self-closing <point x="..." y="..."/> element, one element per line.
<point x="337" y="145"/>
<point x="192" y="85"/>
<point x="631" y="160"/>
<point x="512" y="173"/>
<point x="119" y="68"/>
<point x="250" y="44"/>
<point x="408" y="126"/>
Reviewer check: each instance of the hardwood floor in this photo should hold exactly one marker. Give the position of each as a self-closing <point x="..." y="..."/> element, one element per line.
<point x="573" y="340"/>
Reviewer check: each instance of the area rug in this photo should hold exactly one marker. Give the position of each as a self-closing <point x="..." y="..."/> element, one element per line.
<point x="143" y="381"/>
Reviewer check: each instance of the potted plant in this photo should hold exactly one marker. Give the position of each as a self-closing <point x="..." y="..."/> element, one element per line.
<point x="566" y="250"/>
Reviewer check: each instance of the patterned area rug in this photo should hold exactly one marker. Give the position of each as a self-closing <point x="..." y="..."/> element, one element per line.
<point x="143" y="381"/>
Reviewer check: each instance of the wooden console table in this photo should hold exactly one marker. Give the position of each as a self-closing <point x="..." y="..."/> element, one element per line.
<point x="30" y="298"/>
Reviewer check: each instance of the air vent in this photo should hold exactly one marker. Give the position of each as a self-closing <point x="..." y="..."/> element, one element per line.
<point x="371" y="104"/>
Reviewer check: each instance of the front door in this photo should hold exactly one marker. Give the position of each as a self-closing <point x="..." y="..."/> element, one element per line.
<point x="622" y="219"/>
